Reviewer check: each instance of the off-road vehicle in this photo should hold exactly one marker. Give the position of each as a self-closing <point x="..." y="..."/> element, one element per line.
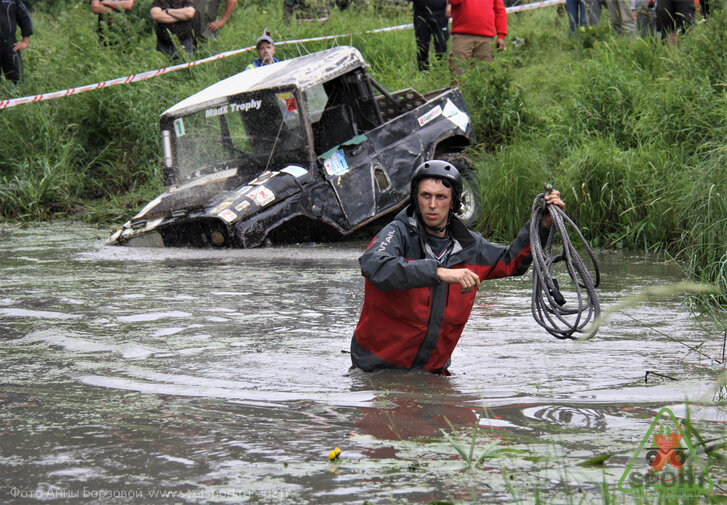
<point x="310" y="148"/>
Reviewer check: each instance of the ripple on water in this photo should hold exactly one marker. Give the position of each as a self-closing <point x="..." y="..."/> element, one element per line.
<point x="37" y="314"/>
<point x="153" y="316"/>
<point x="179" y="385"/>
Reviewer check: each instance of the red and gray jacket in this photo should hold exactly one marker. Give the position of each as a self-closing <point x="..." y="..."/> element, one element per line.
<point x="409" y="318"/>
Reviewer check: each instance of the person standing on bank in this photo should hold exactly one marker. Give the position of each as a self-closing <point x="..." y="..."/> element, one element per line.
<point x="622" y="21"/>
<point x="431" y="22"/>
<point x="422" y="272"/>
<point x="206" y="24"/>
<point x="13" y="13"/>
<point x="265" y="48"/>
<point x="475" y="25"/>
<point x="672" y="17"/>
<point x="104" y="9"/>
<point x="173" y="17"/>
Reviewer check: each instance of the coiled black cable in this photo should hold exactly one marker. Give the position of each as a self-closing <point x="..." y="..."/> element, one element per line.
<point x="548" y="302"/>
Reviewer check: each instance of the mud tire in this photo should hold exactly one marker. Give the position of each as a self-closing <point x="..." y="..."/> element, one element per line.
<point x="471" y="209"/>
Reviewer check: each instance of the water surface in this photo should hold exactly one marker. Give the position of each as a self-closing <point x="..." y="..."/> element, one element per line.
<point x="221" y="376"/>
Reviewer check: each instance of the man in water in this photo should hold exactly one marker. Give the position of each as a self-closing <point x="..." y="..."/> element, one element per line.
<point x="422" y="272"/>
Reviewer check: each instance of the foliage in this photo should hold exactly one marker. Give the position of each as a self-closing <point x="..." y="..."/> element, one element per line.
<point x="495" y="103"/>
<point x="491" y="449"/>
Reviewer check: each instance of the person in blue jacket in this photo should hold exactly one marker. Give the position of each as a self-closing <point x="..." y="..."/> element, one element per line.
<point x="13" y="14"/>
<point x="265" y="48"/>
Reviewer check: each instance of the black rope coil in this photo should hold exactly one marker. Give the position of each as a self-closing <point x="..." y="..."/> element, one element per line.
<point x="548" y="303"/>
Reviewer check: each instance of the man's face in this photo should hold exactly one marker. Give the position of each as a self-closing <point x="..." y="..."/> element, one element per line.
<point x="265" y="51"/>
<point x="435" y="202"/>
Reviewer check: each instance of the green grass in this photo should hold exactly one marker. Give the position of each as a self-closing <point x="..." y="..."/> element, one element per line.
<point x="631" y="131"/>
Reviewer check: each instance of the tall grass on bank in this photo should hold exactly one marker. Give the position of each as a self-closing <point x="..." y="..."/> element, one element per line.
<point x="631" y="131"/>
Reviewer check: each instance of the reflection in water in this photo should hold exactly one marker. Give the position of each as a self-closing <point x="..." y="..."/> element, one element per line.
<point x="224" y="375"/>
<point x="414" y="404"/>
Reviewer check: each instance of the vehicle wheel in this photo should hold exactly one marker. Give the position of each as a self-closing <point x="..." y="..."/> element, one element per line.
<point x="470" y="211"/>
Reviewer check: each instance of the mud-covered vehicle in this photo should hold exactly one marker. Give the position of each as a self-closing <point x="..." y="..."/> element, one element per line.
<point x="303" y="149"/>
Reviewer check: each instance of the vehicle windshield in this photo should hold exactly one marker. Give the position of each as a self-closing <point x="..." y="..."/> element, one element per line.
<point x="255" y="130"/>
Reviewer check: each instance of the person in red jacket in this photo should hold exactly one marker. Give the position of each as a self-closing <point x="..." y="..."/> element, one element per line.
<point x="475" y="24"/>
<point x="422" y="272"/>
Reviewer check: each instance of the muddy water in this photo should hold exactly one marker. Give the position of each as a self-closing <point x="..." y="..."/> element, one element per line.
<point x="187" y="376"/>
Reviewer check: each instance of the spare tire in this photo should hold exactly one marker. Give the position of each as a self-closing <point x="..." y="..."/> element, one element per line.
<point x="471" y="209"/>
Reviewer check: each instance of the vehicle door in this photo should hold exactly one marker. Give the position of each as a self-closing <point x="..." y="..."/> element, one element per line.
<point x="349" y="168"/>
<point x="399" y="150"/>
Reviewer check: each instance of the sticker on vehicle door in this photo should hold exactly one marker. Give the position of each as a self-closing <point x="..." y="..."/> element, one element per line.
<point x="430" y="116"/>
<point x="336" y="164"/>
<point x="458" y="117"/>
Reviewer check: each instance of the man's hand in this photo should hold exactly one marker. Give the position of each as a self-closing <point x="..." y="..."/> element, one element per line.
<point x="462" y="276"/>
<point x="500" y="44"/>
<point x="552" y="198"/>
<point x="22" y="45"/>
<point x="216" y="25"/>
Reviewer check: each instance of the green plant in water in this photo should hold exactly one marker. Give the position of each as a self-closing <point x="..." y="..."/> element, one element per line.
<point x="489" y="451"/>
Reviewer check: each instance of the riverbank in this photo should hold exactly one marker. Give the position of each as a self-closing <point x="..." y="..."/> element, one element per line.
<point x="631" y="131"/>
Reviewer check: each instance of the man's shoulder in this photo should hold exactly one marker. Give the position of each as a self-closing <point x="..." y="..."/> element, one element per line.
<point x="394" y="228"/>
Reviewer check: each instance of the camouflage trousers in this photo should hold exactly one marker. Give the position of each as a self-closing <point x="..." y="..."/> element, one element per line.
<point x="305" y="10"/>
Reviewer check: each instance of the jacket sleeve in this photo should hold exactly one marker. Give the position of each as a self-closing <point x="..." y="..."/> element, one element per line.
<point x="23" y="20"/>
<point x="502" y="261"/>
<point x="386" y="266"/>
<point x="500" y="19"/>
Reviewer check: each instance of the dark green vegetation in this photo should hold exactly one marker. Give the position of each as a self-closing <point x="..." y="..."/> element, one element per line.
<point x="631" y="131"/>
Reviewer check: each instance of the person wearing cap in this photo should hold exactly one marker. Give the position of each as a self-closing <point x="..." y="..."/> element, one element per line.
<point x="173" y="17"/>
<point x="265" y="48"/>
<point x="422" y="272"/>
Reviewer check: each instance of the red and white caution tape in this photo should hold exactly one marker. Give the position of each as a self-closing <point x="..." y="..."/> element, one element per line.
<point x="12" y="102"/>
<point x="534" y="5"/>
<point x="4" y="104"/>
